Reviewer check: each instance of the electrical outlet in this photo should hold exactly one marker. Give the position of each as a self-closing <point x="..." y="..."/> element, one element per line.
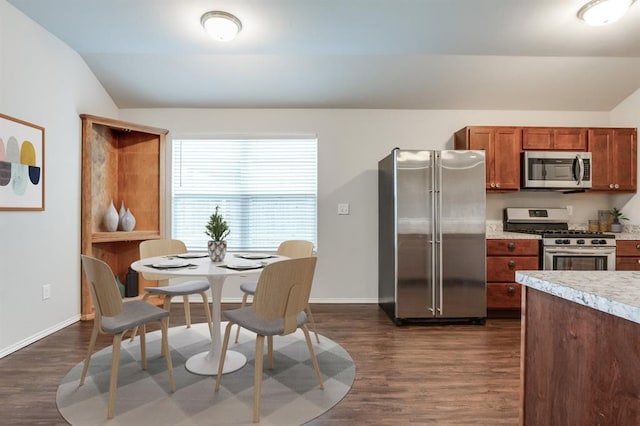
<point x="343" y="208"/>
<point x="46" y="291"/>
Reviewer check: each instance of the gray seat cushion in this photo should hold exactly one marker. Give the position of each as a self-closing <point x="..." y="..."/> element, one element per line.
<point x="246" y="318"/>
<point x="133" y="313"/>
<point x="249" y="287"/>
<point x="190" y="287"/>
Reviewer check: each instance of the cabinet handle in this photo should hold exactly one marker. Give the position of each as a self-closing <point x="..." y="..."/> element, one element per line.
<point x="638" y="246"/>
<point x="511" y="289"/>
<point x="610" y="186"/>
<point x="512" y="246"/>
<point x="512" y="264"/>
<point x="493" y="185"/>
<point x="497" y="185"/>
<point x="616" y="186"/>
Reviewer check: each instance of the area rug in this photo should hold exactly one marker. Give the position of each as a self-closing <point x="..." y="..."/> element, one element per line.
<point x="290" y="392"/>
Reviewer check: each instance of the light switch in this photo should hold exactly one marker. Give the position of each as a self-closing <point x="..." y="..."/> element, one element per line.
<point x="343" y="208"/>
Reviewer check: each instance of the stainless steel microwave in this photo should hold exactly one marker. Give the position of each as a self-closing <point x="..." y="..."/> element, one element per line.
<point x="556" y="170"/>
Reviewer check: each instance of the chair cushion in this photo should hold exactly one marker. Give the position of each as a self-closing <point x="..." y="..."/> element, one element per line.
<point x="189" y="287"/>
<point x="134" y="313"/>
<point x="246" y="318"/>
<point x="249" y="287"/>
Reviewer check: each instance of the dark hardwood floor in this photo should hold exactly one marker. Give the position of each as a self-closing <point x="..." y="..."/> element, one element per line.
<point x="416" y="374"/>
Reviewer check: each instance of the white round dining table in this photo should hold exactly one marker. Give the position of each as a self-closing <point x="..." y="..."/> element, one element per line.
<point x="206" y="363"/>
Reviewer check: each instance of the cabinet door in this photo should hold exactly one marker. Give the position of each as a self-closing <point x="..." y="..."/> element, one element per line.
<point x="599" y="141"/>
<point x="570" y="139"/>
<point x="503" y="295"/>
<point x="506" y="150"/>
<point x="481" y="138"/>
<point x="537" y="138"/>
<point x="628" y="248"/>
<point x="623" y="156"/>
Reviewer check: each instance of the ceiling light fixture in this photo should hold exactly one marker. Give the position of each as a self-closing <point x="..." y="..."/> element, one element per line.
<point x="222" y="26"/>
<point x="601" y="12"/>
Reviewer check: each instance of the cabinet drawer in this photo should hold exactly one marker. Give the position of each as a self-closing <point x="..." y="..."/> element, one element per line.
<point x="628" y="264"/>
<point x="503" y="295"/>
<point x="512" y="247"/>
<point x="627" y="248"/>
<point x="503" y="268"/>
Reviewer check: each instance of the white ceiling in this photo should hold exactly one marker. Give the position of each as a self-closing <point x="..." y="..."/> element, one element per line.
<point x="415" y="54"/>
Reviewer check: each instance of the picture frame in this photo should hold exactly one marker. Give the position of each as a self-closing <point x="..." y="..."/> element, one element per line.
<point x="22" y="176"/>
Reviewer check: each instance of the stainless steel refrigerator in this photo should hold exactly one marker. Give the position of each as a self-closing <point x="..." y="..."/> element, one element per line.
<point x="431" y="236"/>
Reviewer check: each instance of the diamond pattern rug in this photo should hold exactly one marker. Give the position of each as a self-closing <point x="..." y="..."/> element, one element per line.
<point x="290" y="392"/>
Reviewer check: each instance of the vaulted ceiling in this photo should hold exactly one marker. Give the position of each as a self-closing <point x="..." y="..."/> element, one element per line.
<point x="406" y="54"/>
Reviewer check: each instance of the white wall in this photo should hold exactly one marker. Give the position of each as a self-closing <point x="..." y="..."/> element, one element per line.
<point x="43" y="81"/>
<point x="350" y="143"/>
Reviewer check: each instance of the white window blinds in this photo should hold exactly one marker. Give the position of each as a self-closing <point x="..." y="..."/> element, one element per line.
<point x="266" y="190"/>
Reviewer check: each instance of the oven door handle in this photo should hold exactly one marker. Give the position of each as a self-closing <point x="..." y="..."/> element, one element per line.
<point x="601" y="251"/>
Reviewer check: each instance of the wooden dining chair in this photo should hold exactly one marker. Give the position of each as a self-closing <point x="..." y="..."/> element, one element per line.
<point x="112" y="316"/>
<point x="153" y="248"/>
<point x="278" y="309"/>
<point x="292" y="249"/>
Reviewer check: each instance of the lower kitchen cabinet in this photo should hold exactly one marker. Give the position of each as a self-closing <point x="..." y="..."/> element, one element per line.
<point x="504" y="258"/>
<point x="628" y="255"/>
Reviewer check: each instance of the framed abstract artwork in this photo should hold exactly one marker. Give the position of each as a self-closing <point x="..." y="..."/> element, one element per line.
<point x="21" y="165"/>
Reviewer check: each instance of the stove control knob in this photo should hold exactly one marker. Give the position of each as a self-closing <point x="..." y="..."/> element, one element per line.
<point x="566" y="242"/>
<point x="595" y="241"/>
<point x="580" y="241"/>
<point x="603" y="241"/>
<point x="558" y="241"/>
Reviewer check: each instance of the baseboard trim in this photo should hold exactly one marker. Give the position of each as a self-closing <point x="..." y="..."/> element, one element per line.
<point x="34" y="338"/>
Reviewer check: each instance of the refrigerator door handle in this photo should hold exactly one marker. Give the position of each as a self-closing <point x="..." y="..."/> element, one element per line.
<point x="438" y="233"/>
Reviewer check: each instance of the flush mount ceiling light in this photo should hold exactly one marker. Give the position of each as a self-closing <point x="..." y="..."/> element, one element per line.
<point x="222" y="26"/>
<point x="601" y="12"/>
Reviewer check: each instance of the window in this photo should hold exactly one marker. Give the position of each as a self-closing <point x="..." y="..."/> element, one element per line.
<point x="266" y="190"/>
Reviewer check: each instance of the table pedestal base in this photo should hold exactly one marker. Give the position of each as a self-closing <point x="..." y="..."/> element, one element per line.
<point x="205" y="364"/>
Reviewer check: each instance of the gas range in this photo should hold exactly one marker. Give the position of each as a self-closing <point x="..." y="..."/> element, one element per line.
<point x="561" y="248"/>
<point x="552" y="225"/>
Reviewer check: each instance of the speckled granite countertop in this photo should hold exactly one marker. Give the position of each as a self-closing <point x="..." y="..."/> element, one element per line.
<point x="613" y="292"/>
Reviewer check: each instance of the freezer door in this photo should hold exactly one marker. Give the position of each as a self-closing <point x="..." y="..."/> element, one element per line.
<point x="461" y="292"/>
<point x="414" y="207"/>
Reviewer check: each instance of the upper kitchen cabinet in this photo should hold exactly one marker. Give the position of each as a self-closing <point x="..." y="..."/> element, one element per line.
<point x="502" y="146"/>
<point x="614" y="159"/>
<point x="122" y="162"/>
<point x="554" y="138"/>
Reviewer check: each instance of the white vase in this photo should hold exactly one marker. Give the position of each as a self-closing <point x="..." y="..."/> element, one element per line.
<point x="110" y="219"/>
<point x="121" y="214"/>
<point x="128" y="221"/>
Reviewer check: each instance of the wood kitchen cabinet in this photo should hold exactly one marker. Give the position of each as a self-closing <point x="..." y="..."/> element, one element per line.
<point x="614" y="159"/>
<point x="504" y="258"/>
<point x="502" y="146"/>
<point x="628" y="255"/>
<point x="120" y="162"/>
<point x="554" y="138"/>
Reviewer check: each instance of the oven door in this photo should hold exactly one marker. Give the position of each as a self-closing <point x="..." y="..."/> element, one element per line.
<point x="579" y="259"/>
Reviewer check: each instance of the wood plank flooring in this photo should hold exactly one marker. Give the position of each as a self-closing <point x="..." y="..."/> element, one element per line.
<point x="410" y="375"/>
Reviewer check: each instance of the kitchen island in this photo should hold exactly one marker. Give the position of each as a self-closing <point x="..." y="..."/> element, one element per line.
<point x="580" y="358"/>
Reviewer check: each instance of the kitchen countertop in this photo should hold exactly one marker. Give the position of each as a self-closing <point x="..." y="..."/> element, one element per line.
<point x="613" y="292"/>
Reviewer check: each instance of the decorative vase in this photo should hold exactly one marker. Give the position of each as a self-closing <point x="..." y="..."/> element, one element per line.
<point x="217" y="250"/>
<point x="121" y="214"/>
<point x="616" y="227"/>
<point x="110" y="219"/>
<point x="128" y="221"/>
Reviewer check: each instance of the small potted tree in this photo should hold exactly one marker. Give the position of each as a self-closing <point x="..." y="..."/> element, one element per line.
<point x="617" y="214"/>
<point x="217" y="229"/>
